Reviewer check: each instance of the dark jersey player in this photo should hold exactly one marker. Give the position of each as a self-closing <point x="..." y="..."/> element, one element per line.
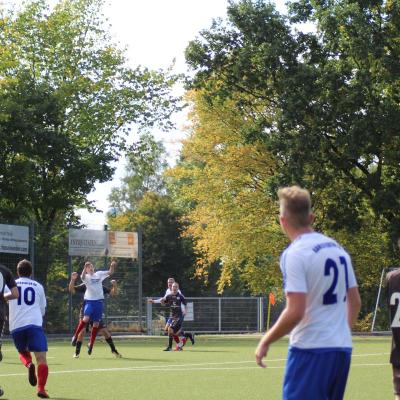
<point x="393" y="298"/>
<point x="102" y="326"/>
<point x="177" y="304"/>
<point x="184" y="335"/>
<point x="6" y="278"/>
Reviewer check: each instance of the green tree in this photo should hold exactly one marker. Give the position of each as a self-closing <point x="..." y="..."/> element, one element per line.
<point x="165" y="252"/>
<point x="333" y="94"/>
<point x="221" y="183"/>
<point x="146" y="163"/>
<point x="67" y="99"/>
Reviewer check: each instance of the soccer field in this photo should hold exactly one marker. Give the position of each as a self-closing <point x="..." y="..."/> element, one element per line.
<point x="215" y="368"/>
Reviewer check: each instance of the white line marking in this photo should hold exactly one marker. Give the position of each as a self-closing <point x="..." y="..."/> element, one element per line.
<point x="184" y="367"/>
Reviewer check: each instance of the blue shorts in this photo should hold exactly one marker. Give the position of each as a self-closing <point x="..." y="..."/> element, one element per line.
<point x="30" y="338"/>
<point x="317" y="374"/>
<point x="93" y="309"/>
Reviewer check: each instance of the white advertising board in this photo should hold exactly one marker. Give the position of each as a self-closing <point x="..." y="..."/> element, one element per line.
<point x="189" y="316"/>
<point x="87" y="242"/>
<point x="123" y="244"/>
<point x="14" y="239"/>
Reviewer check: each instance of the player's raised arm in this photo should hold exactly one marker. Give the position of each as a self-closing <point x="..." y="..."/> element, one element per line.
<point x="71" y="285"/>
<point x="113" y="265"/>
<point x="114" y="288"/>
<point x="83" y="274"/>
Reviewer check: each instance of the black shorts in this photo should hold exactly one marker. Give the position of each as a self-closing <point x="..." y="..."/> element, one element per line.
<point x="176" y="324"/>
<point x="101" y="324"/>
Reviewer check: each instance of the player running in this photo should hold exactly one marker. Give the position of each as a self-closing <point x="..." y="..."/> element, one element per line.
<point x="177" y="303"/>
<point x="102" y="327"/>
<point x="25" y="320"/>
<point x="94" y="298"/>
<point x="185" y="336"/>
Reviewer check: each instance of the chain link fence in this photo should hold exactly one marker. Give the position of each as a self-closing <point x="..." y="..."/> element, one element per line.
<point x="218" y="315"/>
<point x="127" y="312"/>
<point x="52" y="268"/>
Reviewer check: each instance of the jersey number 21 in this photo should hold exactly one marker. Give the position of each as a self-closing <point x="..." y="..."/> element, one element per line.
<point x="331" y="268"/>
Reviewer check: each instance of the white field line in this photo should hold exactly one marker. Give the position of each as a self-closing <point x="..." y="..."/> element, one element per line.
<point x="199" y="367"/>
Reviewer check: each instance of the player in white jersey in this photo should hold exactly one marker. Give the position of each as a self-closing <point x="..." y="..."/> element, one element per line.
<point x="322" y="303"/>
<point x="94" y="298"/>
<point x="25" y="321"/>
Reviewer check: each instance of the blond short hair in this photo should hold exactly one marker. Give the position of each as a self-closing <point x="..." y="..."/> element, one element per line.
<point x="295" y="205"/>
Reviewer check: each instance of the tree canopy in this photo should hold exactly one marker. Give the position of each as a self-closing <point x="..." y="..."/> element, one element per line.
<point x="333" y="95"/>
<point x="67" y="101"/>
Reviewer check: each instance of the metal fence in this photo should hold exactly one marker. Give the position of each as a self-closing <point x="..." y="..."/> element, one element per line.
<point x="218" y="315"/>
<point x="52" y="267"/>
<point x="128" y="311"/>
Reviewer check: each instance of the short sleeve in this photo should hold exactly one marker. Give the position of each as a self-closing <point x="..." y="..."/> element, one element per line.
<point x="293" y="271"/>
<point x="352" y="281"/>
<point x="103" y="274"/>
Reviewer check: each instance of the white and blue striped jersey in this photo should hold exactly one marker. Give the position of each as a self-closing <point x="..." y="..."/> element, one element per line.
<point x="29" y="309"/>
<point x="318" y="266"/>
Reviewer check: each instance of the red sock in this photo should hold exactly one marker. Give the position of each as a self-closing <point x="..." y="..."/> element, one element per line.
<point x="79" y="328"/>
<point x="43" y="372"/>
<point x="93" y="335"/>
<point x="176" y="338"/>
<point x="25" y="357"/>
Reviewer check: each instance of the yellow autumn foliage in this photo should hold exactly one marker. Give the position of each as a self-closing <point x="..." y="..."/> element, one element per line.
<point x="233" y="220"/>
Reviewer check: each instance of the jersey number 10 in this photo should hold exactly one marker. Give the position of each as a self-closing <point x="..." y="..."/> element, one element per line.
<point x="28" y="295"/>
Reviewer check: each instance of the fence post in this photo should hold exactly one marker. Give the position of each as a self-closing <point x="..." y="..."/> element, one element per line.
<point x="32" y="246"/>
<point x="69" y="293"/>
<point x="377" y="300"/>
<point x="105" y="267"/>
<point x="219" y="314"/>
<point x="149" y="318"/>
<point x="140" y="277"/>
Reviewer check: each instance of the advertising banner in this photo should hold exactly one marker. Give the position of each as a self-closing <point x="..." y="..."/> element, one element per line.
<point x="14" y="239"/>
<point x="123" y="244"/>
<point x="87" y="242"/>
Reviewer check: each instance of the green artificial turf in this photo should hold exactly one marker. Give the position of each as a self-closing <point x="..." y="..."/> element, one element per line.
<point x="215" y="368"/>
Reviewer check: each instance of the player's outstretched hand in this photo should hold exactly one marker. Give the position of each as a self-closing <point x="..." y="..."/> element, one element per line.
<point x="113" y="263"/>
<point x="260" y="353"/>
<point x="150" y="300"/>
